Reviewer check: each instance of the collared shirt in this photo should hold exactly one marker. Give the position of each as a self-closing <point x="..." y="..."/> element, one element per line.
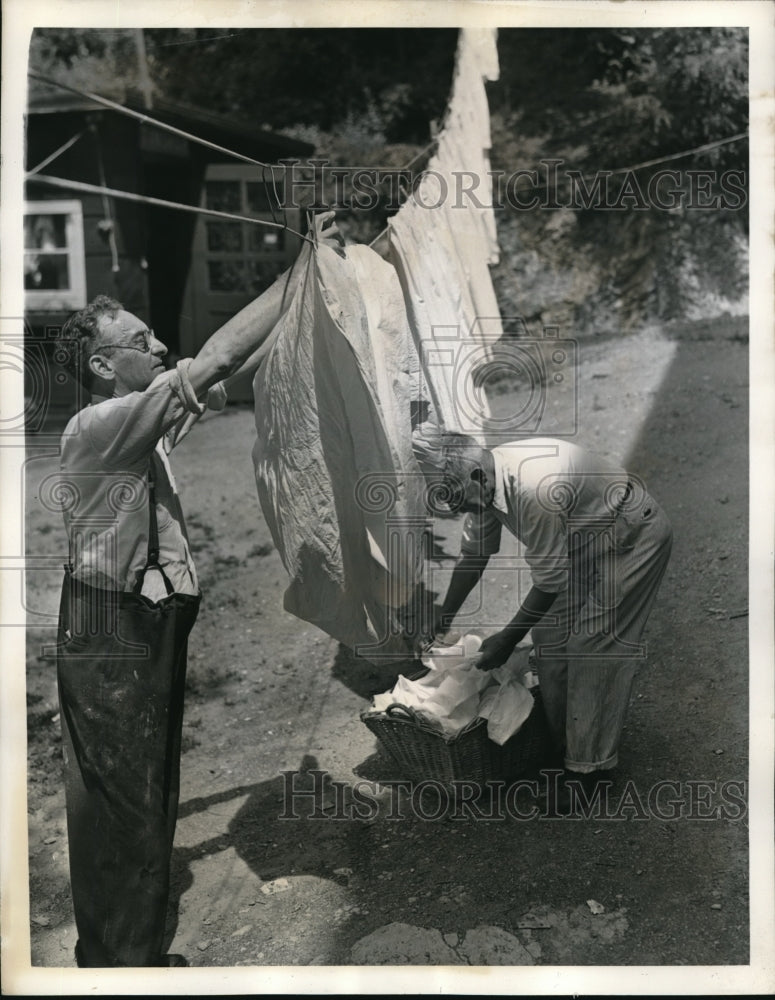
<point x="107" y="449"/>
<point x="554" y="496"/>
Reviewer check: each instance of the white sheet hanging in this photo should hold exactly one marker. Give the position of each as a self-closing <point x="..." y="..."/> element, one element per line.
<point x="337" y="481"/>
<point x="442" y="240"/>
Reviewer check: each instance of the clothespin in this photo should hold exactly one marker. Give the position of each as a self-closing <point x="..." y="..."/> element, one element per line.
<point x="311" y="227"/>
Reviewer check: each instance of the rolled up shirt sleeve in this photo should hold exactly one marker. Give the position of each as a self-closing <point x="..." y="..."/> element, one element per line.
<point x="545" y="538"/>
<point x="131" y="425"/>
<point x="216" y="401"/>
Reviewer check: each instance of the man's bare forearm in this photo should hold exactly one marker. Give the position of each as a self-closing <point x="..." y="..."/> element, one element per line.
<point x="497" y="648"/>
<point x="530" y="612"/>
<point x="250" y="366"/>
<point x="465" y="576"/>
<point x="242" y="336"/>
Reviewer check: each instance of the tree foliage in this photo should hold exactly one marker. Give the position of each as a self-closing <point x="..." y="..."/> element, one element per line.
<point x="629" y="94"/>
<point x="597" y="99"/>
<point x="92" y="59"/>
<point x="311" y="75"/>
<point x="280" y="77"/>
<point x="608" y="99"/>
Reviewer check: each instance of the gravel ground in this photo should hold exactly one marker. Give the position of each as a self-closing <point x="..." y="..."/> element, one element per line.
<point x="268" y="693"/>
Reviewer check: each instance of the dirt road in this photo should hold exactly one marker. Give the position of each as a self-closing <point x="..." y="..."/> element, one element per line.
<point x="268" y="693"/>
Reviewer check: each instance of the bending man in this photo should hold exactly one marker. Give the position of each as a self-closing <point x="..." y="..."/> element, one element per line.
<point x="596" y="548"/>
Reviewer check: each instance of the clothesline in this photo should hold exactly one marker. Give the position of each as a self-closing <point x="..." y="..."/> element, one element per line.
<point x="159" y="202"/>
<point x="77" y="185"/>
<point x="688" y="152"/>
<point x="619" y="170"/>
<point x="248" y="159"/>
<point x="147" y="120"/>
<point x="57" y="152"/>
<point x="418" y="156"/>
<point x="651" y="163"/>
<point x="431" y="145"/>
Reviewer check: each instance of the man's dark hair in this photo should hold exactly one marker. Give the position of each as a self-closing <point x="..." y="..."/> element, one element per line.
<point x="79" y="336"/>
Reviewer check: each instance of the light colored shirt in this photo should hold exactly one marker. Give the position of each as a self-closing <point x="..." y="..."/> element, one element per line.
<point x="554" y="497"/>
<point x="107" y="448"/>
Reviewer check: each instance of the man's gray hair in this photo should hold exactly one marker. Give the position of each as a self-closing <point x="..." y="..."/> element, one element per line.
<point x="461" y="454"/>
<point x="79" y="336"/>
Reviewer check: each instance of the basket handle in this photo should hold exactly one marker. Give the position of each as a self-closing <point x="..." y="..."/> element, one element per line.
<point x="398" y="709"/>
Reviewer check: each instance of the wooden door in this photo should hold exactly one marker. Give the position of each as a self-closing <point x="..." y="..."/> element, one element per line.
<point x="233" y="262"/>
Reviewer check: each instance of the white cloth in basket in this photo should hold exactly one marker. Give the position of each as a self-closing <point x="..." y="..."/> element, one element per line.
<point x="453" y="693"/>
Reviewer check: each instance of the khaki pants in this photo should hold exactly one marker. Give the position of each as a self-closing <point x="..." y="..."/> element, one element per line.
<point x="588" y="648"/>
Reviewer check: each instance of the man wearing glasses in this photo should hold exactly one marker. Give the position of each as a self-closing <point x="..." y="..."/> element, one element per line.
<point x="129" y="600"/>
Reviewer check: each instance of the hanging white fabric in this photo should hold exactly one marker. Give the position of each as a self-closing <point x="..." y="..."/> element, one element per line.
<point x="337" y="480"/>
<point x="442" y="241"/>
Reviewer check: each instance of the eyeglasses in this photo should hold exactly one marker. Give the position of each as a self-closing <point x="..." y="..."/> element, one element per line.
<point x="147" y="336"/>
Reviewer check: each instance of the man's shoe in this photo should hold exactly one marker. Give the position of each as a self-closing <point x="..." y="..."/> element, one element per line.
<point x="588" y="793"/>
<point x="573" y="794"/>
<point x="553" y="795"/>
<point x="165" y="962"/>
<point x="173" y="961"/>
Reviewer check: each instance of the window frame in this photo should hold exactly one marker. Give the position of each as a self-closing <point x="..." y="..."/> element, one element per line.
<point x="73" y="297"/>
<point x="275" y="257"/>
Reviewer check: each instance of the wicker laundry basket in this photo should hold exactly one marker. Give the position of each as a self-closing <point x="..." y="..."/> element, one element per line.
<point x="423" y="753"/>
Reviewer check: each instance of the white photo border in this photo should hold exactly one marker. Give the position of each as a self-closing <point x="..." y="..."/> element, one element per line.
<point x="19" y="978"/>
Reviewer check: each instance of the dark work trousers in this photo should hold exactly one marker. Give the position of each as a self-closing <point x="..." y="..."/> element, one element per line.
<point x="121" y="672"/>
